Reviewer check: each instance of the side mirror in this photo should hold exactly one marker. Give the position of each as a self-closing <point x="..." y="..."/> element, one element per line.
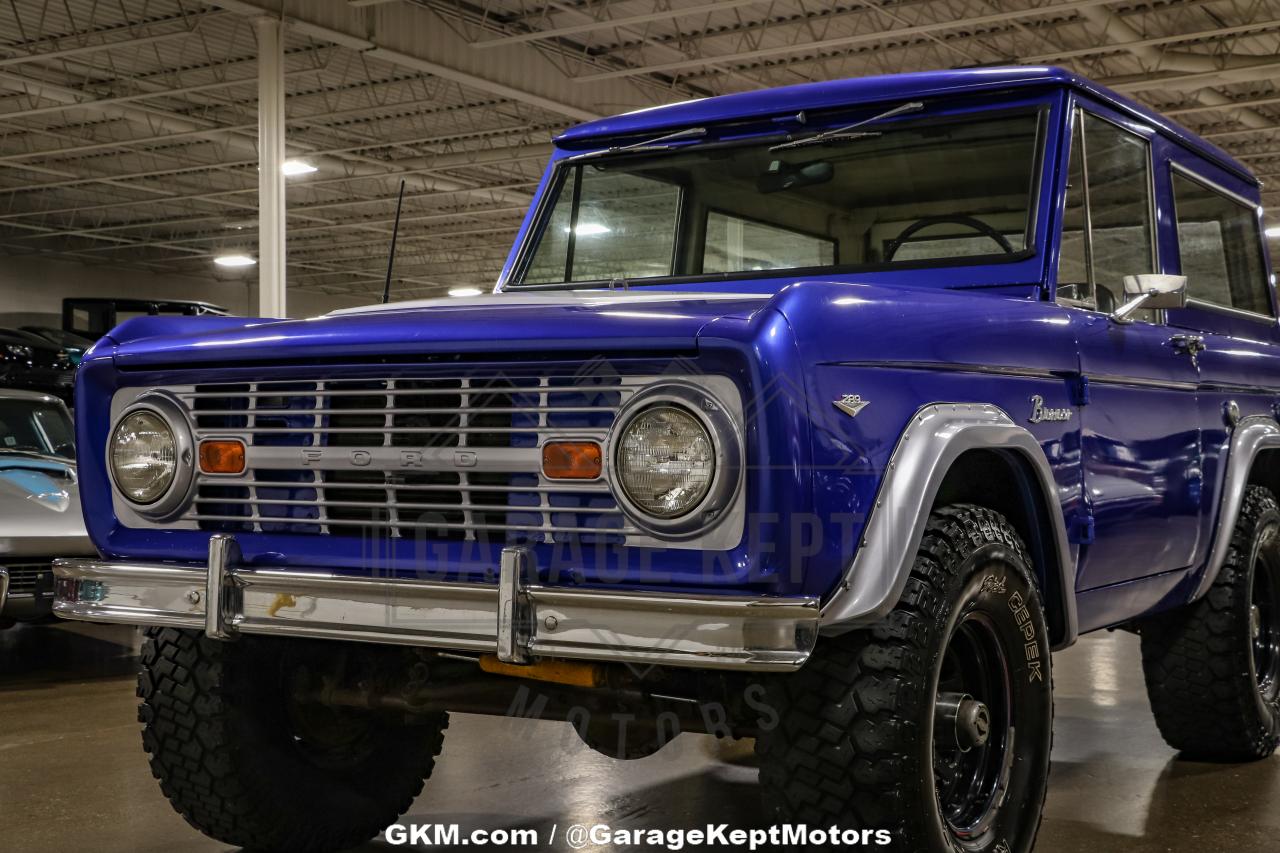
<point x="1151" y="290"/>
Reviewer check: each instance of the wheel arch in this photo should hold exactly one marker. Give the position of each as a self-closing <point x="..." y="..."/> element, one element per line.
<point x="1252" y="459"/>
<point x="935" y="459"/>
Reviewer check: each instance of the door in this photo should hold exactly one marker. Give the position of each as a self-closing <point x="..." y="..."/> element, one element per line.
<point x="1139" y="431"/>
<point x="1230" y="308"/>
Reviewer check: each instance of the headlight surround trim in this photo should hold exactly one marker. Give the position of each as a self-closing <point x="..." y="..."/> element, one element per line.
<point x="177" y="496"/>
<point x="726" y="441"/>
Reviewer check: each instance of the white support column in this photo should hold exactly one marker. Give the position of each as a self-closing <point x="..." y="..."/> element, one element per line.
<point x="271" y="213"/>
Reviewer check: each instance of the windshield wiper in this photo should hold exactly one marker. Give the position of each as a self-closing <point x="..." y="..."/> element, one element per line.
<point x="838" y="134"/>
<point x="656" y="144"/>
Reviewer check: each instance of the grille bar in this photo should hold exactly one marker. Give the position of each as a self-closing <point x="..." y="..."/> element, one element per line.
<point x="585" y="489"/>
<point x="319" y="387"/>
<point x="390" y="430"/>
<point x="611" y="510"/>
<point x="424" y="525"/>
<point x="461" y="410"/>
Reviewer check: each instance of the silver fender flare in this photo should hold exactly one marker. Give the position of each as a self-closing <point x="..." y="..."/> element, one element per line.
<point x="934" y="438"/>
<point x="1250" y="437"/>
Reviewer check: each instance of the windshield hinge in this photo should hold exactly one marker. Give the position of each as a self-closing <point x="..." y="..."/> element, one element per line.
<point x="1080" y="390"/>
<point x="1082" y="529"/>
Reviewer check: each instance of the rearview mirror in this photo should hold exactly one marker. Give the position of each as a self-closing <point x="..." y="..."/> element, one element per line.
<point x="1151" y="290"/>
<point x="782" y="175"/>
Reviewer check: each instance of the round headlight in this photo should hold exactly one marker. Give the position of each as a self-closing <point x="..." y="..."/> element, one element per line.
<point x="144" y="456"/>
<point x="666" y="461"/>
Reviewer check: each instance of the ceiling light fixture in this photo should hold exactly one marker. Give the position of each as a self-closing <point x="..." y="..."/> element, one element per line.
<point x="234" y="261"/>
<point x="1274" y="232"/>
<point x="589" y="229"/>
<point x="465" y="291"/>
<point x="297" y="167"/>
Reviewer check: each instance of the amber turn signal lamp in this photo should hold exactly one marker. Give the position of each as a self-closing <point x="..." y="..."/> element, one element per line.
<point x="572" y="460"/>
<point x="222" y="456"/>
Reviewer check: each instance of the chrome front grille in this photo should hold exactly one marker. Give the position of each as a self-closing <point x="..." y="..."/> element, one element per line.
<point x="442" y="458"/>
<point x="29" y="578"/>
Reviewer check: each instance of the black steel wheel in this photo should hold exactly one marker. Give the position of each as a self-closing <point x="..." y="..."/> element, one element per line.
<point x="972" y="728"/>
<point x="936" y="723"/>
<point x="1213" y="667"/>
<point x="1264" y="611"/>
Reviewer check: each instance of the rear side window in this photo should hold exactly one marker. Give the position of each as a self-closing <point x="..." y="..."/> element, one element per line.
<point x="1220" y="247"/>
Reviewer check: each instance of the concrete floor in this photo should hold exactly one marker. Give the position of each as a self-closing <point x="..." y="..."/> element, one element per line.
<point x="73" y="775"/>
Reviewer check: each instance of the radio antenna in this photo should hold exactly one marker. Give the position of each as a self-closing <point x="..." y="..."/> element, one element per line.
<point x="391" y="256"/>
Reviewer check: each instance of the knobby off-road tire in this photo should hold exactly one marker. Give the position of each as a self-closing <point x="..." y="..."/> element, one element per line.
<point x="248" y="767"/>
<point x="865" y="743"/>
<point x="1211" y="667"/>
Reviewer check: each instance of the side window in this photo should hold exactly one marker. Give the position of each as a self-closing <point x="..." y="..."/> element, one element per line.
<point x="734" y="243"/>
<point x="630" y="221"/>
<point x="551" y="263"/>
<point x="1116" y="167"/>
<point x="1107" y="229"/>
<point x="1219" y="247"/>
<point x="1074" y="281"/>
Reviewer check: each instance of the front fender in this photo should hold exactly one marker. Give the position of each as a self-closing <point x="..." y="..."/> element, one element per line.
<point x="933" y="440"/>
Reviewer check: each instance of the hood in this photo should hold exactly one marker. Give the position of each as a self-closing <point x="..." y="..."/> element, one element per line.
<point x="40" y="508"/>
<point x="565" y="322"/>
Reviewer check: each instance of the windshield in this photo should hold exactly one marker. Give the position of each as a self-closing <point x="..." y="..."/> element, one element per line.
<point x="60" y="337"/>
<point x="32" y="426"/>
<point x="910" y="193"/>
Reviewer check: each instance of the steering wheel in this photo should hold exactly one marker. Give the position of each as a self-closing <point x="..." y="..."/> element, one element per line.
<point x="956" y="219"/>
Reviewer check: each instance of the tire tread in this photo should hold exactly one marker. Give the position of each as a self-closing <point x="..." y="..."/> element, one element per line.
<point x="843" y="752"/>
<point x="191" y="713"/>
<point x="1194" y="660"/>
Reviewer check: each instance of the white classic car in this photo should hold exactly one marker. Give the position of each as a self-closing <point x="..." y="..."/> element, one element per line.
<point x="39" y="502"/>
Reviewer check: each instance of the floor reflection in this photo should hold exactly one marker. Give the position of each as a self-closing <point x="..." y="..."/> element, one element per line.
<point x="69" y="747"/>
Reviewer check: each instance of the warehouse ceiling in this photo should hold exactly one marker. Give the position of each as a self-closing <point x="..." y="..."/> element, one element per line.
<point x="128" y="128"/>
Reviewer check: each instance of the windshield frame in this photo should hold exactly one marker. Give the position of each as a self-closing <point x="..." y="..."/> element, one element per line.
<point x="50" y="450"/>
<point x="1042" y="106"/>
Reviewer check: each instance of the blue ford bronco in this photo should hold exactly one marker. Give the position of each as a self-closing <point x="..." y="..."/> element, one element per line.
<point x="819" y="416"/>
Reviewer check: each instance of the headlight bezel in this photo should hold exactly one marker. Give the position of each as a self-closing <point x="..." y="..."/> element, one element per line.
<point x="726" y="442"/>
<point x="178" y="495"/>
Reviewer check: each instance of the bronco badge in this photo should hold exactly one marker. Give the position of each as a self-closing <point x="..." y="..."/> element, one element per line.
<point x="1040" y="413"/>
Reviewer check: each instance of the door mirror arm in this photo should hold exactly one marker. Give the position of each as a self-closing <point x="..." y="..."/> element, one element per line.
<point x="1121" y="314"/>
<point x="1151" y="290"/>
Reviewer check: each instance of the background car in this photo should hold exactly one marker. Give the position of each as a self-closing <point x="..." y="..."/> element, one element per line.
<point x="39" y="501"/>
<point x="33" y="363"/>
<point x="93" y="317"/>
<point x="74" y="345"/>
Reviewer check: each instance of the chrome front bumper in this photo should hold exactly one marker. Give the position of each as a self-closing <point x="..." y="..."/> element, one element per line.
<point x="515" y="620"/>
